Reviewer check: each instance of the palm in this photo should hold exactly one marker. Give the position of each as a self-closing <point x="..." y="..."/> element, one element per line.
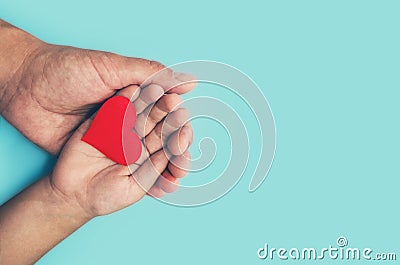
<point x="102" y="186"/>
<point x="87" y="178"/>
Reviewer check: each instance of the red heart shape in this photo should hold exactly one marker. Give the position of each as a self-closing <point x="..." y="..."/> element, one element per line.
<point x="111" y="131"/>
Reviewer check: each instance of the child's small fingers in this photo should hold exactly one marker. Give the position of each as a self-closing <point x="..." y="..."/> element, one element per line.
<point x="187" y="82"/>
<point x="191" y="131"/>
<point x="132" y="92"/>
<point x="156" y="192"/>
<point x="156" y="138"/>
<point x="147" y="97"/>
<point x="180" y="140"/>
<point x="167" y="182"/>
<point x="148" y="119"/>
<point x="180" y="165"/>
<point x="147" y="174"/>
<point x="172" y="122"/>
<point x="178" y="83"/>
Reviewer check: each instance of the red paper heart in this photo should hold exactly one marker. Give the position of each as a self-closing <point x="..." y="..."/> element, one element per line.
<point x="111" y="131"/>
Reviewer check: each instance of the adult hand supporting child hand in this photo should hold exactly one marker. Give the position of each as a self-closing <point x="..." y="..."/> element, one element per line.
<point x="49" y="92"/>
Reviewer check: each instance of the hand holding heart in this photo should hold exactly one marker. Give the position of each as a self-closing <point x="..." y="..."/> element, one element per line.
<point x="112" y="133"/>
<point x="65" y="85"/>
<point x="103" y="185"/>
<point x="52" y="94"/>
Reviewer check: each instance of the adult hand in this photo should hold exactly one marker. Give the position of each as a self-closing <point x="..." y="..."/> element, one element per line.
<point x="57" y="88"/>
<point x="47" y="91"/>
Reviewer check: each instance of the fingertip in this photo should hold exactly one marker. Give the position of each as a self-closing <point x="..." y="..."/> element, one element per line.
<point x="179" y="142"/>
<point x="173" y="144"/>
<point x="148" y="173"/>
<point x="184" y="113"/>
<point x="156" y="192"/>
<point x="132" y="92"/>
<point x="169" y="102"/>
<point x="180" y="165"/>
<point x="190" y="131"/>
<point x="186" y="82"/>
<point x="178" y="117"/>
<point x="151" y="93"/>
<point x="166" y="174"/>
<point x="168" y="183"/>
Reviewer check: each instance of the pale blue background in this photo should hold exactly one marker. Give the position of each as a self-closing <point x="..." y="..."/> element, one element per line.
<point x="330" y="70"/>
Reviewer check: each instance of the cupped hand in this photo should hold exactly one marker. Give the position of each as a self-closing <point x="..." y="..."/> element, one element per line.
<point x="58" y="87"/>
<point x="100" y="186"/>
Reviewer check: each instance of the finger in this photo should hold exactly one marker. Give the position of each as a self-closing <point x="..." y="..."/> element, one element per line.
<point x="149" y="118"/>
<point x="156" y="138"/>
<point x="179" y="83"/>
<point x="148" y="96"/>
<point x="147" y="174"/>
<point x="118" y="71"/>
<point x="180" y="165"/>
<point x="191" y="130"/>
<point x="167" y="182"/>
<point x="180" y="140"/>
<point x="187" y="82"/>
<point x="156" y="192"/>
<point x="132" y="92"/>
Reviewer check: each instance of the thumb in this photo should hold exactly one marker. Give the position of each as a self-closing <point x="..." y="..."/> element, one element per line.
<point x="118" y="71"/>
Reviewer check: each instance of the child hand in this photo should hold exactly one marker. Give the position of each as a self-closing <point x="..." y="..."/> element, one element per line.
<point x="100" y="186"/>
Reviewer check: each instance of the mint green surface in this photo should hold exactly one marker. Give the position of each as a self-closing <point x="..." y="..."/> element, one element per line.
<point x="330" y="71"/>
